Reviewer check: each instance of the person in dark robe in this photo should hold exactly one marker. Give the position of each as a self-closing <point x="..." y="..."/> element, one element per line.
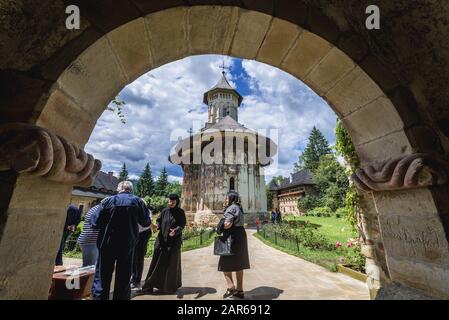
<point x="273" y="216"/>
<point x="72" y="220"/>
<point x="239" y="261"/>
<point x="165" y="268"/>
<point x="278" y="216"/>
<point x="118" y="219"/>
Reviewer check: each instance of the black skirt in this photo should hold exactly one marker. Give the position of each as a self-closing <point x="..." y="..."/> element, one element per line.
<point x="165" y="270"/>
<point x="240" y="259"/>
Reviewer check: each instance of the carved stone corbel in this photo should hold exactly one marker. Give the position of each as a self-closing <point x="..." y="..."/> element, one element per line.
<point x="30" y="149"/>
<point x="411" y="171"/>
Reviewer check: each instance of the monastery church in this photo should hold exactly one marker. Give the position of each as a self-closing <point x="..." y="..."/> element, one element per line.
<point x="244" y="155"/>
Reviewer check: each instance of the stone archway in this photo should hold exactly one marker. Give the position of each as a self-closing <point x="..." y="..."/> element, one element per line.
<point x="384" y="120"/>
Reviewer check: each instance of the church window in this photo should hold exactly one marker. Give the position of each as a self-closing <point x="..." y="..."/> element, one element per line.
<point x="232" y="184"/>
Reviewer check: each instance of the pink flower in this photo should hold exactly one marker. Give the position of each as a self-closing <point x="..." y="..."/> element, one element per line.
<point x="349" y="244"/>
<point x="338" y="244"/>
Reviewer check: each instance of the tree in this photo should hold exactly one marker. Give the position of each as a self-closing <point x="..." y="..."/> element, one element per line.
<point x="278" y="180"/>
<point x="174" y="187"/>
<point x="156" y="203"/>
<point x="124" y="173"/>
<point x="270" y="194"/>
<point x="315" y="149"/>
<point x="161" y="184"/>
<point x="332" y="182"/>
<point x="145" y="184"/>
<point x="309" y="202"/>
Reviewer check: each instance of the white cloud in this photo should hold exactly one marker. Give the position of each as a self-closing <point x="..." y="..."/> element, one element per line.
<point x="171" y="97"/>
<point x="281" y="101"/>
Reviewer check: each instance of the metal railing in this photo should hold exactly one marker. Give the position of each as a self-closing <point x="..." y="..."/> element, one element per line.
<point x="71" y="245"/>
<point x="279" y="239"/>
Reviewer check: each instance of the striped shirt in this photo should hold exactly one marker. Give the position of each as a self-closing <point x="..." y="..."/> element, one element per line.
<point x="88" y="235"/>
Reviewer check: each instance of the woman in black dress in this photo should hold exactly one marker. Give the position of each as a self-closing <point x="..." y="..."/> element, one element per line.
<point x="239" y="261"/>
<point x="165" y="268"/>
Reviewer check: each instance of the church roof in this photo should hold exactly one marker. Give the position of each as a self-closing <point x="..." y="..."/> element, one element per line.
<point x="227" y="123"/>
<point x="302" y="177"/>
<point x="105" y="184"/>
<point x="222" y="84"/>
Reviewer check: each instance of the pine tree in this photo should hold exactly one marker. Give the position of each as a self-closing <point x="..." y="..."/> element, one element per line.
<point x="145" y="184"/>
<point x="124" y="173"/>
<point x="315" y="149"/>
<point x="162" y="183"/>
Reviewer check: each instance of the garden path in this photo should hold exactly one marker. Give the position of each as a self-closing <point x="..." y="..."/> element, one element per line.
<point x="273" y="275"/>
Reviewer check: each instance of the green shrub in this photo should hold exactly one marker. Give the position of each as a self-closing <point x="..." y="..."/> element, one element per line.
<point x="341" y="212"/>
<point x="355" y="258"/>
<point x="310" y="238"/>
<point x="157" y="202"/>
<point x="306" y="236"/>
<point x="320" y="212"/>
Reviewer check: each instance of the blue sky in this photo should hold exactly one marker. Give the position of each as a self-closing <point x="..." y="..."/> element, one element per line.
<point x="171" y="97"/>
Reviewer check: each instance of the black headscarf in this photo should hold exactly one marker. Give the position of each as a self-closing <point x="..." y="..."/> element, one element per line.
<point x="233" y="198"/>
<point x="174" y="196"/>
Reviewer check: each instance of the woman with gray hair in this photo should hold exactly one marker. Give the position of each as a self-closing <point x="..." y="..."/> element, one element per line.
<point x="239" y="261"/>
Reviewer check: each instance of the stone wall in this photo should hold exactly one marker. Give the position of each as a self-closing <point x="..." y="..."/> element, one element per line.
<point x="32" y="231"/>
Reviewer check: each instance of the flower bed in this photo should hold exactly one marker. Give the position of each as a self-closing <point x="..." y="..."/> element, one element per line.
<point x="305" y="239"/>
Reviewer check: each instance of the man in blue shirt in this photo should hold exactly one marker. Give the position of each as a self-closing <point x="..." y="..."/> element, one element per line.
<point x="118" y="219"/>
<point x="71" y="222"/>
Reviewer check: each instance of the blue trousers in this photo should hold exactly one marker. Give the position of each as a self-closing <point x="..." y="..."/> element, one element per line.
<point x="109" y="258"/>
<point x="90" y="254"/>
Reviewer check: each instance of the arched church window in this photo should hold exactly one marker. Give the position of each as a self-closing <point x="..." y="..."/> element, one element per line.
<point x="232" y="184"/>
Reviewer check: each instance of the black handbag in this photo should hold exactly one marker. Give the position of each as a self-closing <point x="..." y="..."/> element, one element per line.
<point x="223" y="245"/>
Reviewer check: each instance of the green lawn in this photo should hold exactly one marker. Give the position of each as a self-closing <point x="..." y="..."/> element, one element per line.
<point x="335" y="229"/>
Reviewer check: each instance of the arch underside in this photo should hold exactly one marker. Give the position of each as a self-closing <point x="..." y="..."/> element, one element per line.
<point x="406" y="230"/>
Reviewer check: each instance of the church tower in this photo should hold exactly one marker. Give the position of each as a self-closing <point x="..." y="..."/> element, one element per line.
<point x="222" y="101"/>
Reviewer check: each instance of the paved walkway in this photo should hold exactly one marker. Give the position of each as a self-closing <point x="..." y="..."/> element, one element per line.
<point x="273" y="275"/>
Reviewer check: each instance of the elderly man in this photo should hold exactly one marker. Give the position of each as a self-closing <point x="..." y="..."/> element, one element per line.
<point x="118" y="219"/>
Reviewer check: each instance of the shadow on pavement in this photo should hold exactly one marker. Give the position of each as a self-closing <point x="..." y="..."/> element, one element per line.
<point x="263" y="293"/>
<point x="199" y="291"/>
<point x="180" y="293"/>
